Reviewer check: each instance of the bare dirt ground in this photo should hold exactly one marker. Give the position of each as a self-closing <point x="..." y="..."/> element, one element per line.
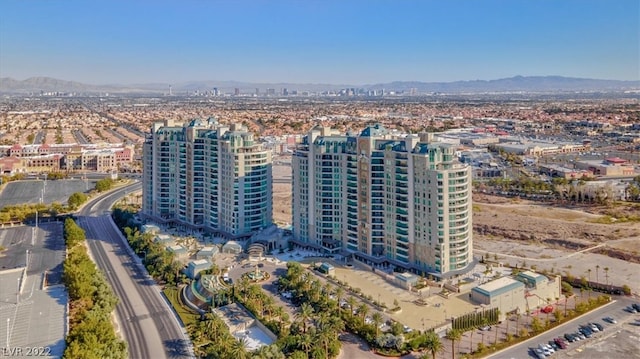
<point x="282" y="193"/>
<point x="555" y="227"/>
<point x="566" y="240"/>
<point x="282" y="202"/>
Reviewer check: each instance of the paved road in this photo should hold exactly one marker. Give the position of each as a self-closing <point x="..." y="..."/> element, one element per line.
<point x="614" y="309"/>
<point x="145" y="319"/>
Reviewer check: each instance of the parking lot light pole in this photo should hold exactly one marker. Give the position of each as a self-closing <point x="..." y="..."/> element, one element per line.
<point x="8" y="326"/>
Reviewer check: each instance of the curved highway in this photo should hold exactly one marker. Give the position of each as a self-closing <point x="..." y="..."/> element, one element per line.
<point x="145" y="319"/>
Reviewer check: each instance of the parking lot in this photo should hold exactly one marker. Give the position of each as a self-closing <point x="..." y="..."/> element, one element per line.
<point x="616" y="340"/>
<point x="21" y="192"/>
<point x="34" y="313"/>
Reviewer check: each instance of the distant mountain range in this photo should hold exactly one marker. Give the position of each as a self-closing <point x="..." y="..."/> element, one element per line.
<point x="540" y="84"/>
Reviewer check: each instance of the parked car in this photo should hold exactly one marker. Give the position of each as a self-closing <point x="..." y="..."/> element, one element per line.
<point x="554" y="345"/>
<point x="485" y="328"/>
<point x="539" y="353"/>
<point x="631" y="310"/>
<point x="570" y="337"/>
<point x="546" y="349"/>
<point x="599" y="326"/>
<point x="610" y="320"/>
<point x="636" y="306"/>
<point x="586" y="331"/>
<point x="560" y="343"/>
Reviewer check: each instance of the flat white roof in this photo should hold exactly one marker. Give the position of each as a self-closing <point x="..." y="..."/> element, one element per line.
<point x="200" y="262"/>
<point x="498" y="284"/>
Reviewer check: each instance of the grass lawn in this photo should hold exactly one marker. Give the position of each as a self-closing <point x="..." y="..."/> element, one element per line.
<point x="187" y="316"/>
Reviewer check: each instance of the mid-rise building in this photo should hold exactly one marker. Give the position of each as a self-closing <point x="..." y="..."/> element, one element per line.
<point x="207" y="176"/>
<point x="388" y="200"/>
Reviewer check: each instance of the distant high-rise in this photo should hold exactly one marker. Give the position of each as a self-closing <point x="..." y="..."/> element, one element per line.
<point x="208" y="176"/>
<point x="170" y="92"/>
<point x="236" y="91"/>
<point x="386" y="200"/>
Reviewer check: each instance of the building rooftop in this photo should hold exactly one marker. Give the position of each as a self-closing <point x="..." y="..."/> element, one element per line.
<point x="498" y="286"/>
<point x="532" y="278"/>
<point x="199" y="262"/>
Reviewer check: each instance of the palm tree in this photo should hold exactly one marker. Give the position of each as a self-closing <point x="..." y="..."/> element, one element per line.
<point x="211" y="325"/>
<point x="363" y="310"/>
<point x="351" y="301"/>
<point x="473" y="329"/>
<point x="432" y="344"/>
<point x="453" y="335"/>
<point x="339" y="294"/>
<point x="377" y="320"/>
<point x="606" y="275"/>
<point x="278" y="311"/>
<point x="324" y="337"/>
<point x="336" y="324"/>
<point x="589" y="283"/>
<point x="507" y="320"/>
<point x="483" y="323"/>
<point x="306" y="342"/>
<point x="517" y="321"/>
<point x="304" y="314"/>
<point x="497" y="327"/>
<point x="238" y="350"/>
<point x="322" y="320"/>
<point x="597" y="270"/>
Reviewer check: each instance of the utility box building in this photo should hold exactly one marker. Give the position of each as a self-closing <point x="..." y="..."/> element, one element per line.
<point x="505" y="293"/>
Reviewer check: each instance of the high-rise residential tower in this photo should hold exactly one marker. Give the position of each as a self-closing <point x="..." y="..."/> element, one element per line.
<point x="386" y="199"/>
<point x="207" y="176"/>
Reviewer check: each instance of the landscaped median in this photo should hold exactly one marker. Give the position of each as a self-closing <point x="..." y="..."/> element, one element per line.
<point x="187" y="316"/>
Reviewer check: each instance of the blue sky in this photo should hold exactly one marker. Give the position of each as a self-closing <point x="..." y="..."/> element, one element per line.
<point x="335" y="42"/>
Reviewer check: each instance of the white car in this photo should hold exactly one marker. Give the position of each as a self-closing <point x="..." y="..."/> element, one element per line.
<point x="539" y="353"/>
<point x="546" y="349"/>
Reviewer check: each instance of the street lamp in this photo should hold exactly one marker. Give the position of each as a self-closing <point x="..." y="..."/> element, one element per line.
<point x="8" y="326"/>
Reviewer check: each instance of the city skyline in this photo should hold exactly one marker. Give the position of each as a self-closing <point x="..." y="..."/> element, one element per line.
<point x="318" y="42"/>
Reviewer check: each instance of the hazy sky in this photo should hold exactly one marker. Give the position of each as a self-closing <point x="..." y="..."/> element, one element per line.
<point x="308" y="41"/>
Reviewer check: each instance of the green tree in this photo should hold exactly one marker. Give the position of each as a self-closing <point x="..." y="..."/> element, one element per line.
<point x="76" y="199"/>
<point x="454" y="335"/>
<point x="239" y="349"/>
<point x="536" y="325"/>
<point x="433" y="344"/>
<point x="363" y="310"/>
<point x="377" y="320"/>
<point x="104" y="184"/>
<point x="304" y="314"/>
